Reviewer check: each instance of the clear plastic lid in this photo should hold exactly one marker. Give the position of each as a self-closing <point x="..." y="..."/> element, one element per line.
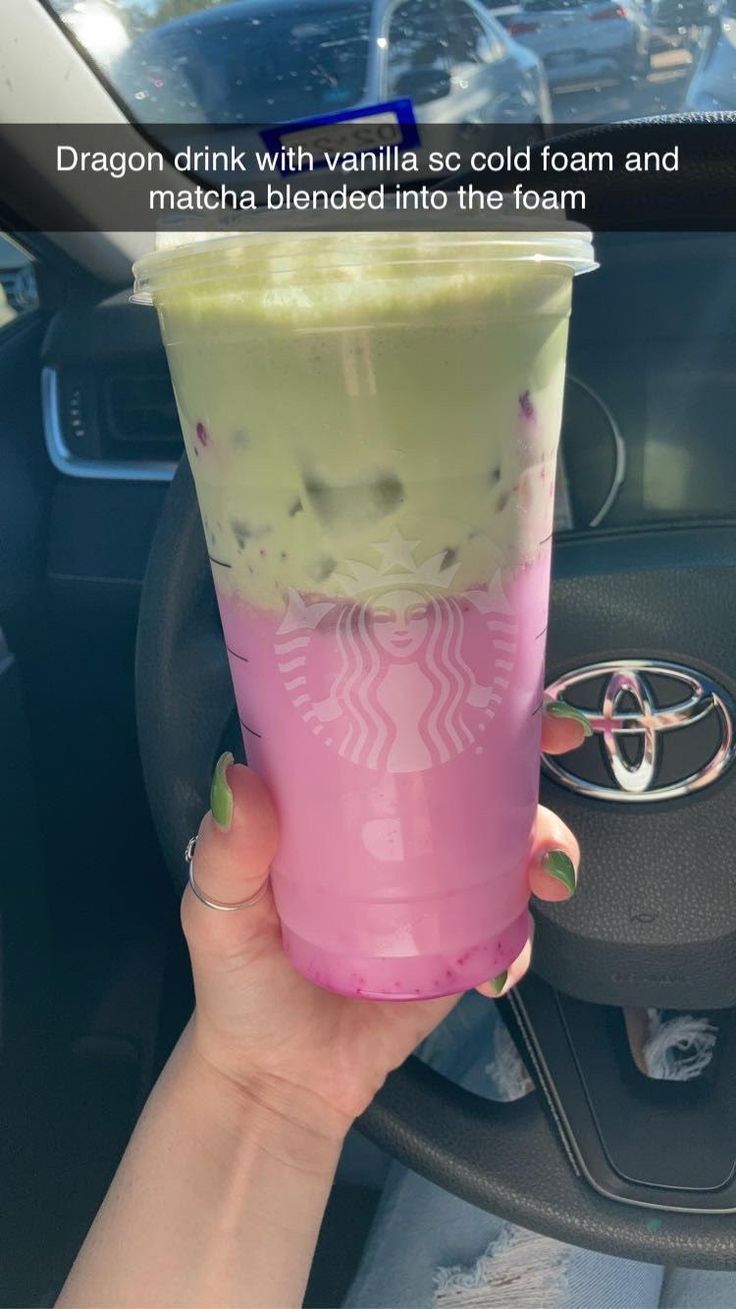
<point x="281" y="249"/>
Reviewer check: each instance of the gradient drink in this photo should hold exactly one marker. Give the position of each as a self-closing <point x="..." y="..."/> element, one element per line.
<point x="372" y="423"/>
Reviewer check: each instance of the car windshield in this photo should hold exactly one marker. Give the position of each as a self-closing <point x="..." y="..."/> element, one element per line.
<point x="541" y="6"/>
<point x="271" y="61"/>
<point x="248" y="63"/>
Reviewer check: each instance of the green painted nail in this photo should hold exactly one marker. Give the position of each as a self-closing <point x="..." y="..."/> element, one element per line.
<point x="498" y="983"/>
<point x="221" y="797"/>
<point x="560" y="866"/>
<point x="558" y="709"/>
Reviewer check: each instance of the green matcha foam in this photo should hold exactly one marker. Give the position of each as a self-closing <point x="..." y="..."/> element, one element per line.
<point x="293" y="278"/>
<point x="339" y="391"/>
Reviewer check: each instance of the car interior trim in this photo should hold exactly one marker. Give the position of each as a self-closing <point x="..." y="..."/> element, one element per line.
<point x="145" y="470"/>
<point x="619" y="471"/>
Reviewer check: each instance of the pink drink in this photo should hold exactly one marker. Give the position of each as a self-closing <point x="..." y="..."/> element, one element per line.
<point x="372" y="424"/>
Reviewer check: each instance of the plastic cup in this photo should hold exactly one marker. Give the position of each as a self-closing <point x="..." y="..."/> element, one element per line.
<point x="372" y="423"/>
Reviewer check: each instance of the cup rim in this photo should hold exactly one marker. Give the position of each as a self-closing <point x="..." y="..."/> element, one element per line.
<point x="274" y="255"/>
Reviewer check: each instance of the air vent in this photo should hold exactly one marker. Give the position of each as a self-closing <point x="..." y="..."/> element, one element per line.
<point x="140" y="409"/>
<point x="108" y="403"/>
<point x="120" y="426"/>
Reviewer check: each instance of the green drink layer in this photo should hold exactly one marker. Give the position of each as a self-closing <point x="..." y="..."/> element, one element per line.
<point x="328" y="410"/>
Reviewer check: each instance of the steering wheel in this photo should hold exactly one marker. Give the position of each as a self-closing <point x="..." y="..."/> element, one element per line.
<point x="505" y="1158"/>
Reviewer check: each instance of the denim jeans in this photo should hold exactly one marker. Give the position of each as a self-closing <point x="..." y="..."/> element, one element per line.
<point x="429" y="1250"/>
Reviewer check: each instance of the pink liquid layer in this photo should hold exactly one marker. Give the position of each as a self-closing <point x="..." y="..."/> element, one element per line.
<point x="403" y="755"/>
<point x="409" y="977"/>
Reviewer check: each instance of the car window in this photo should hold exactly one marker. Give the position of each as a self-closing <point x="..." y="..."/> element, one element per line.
<point x="18" y="289"/>
<point x="264" y="61"/>
<point x="417" y="47"/>
<point x="466" y="36"/>
<point x="541" y="6"/>
<point x="495" y="43"/>
<point x="262" y="64"/>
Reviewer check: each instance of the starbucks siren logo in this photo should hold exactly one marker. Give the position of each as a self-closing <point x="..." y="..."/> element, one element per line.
<point x="398" y="675"/>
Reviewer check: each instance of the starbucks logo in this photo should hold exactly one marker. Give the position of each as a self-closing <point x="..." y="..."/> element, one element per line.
<point x="395" y="674"/>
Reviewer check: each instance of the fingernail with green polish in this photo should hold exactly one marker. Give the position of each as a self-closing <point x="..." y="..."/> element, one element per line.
<point x="498" y="983"/>
<point x="221" y="797"/>
<point x="560" y="866"/>
<point x="558" y="709"/>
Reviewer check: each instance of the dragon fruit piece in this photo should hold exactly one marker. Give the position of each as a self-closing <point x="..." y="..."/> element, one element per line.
<point x="526" y="405"/>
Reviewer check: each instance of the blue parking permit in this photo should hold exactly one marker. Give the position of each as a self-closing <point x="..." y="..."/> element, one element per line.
<point x="306" y="144"/>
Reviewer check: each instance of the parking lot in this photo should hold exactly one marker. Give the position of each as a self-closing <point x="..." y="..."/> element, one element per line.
<point x="662" y="92"/>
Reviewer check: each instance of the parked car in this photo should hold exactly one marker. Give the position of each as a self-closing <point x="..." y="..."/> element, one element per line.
<point x="257" y="61"/>
<point x="681" y="20"/>
<point x="584" y="40"/>
<point x="713" y="84"/>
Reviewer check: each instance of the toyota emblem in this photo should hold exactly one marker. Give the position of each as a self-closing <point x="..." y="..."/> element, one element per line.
<point x="630" y="725"/>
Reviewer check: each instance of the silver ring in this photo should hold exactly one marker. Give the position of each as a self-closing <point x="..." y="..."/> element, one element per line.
<point x="219" y="904"/>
